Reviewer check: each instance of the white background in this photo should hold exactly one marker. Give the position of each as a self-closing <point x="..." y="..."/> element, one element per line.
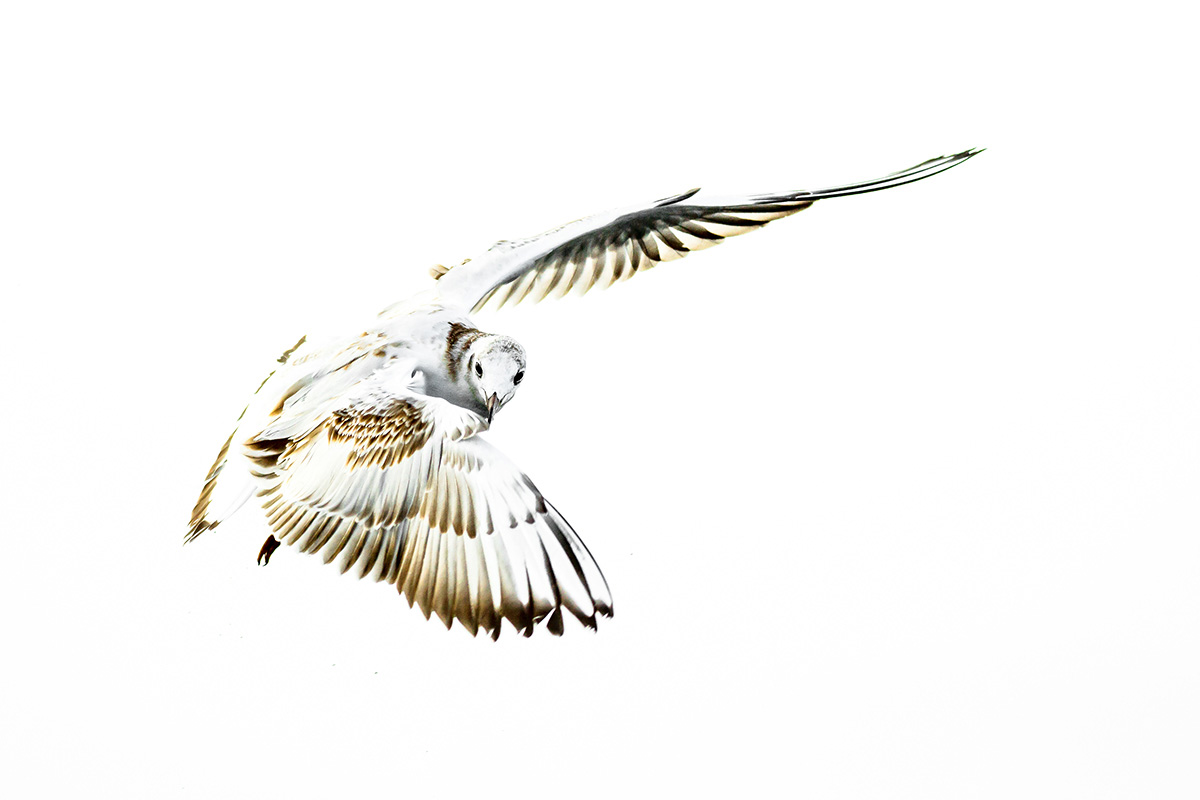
<point x="896" y="498"/>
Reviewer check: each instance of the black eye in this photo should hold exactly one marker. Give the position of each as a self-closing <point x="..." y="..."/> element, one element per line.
<point x="479" y="369"/>
<point x="520" y="376"/>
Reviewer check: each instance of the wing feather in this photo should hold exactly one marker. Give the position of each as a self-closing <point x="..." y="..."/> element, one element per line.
<point x="398" y="487"/>
<point x="634" y="239"/>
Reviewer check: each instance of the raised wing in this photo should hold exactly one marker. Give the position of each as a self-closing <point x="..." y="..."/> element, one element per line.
<point x="605" y="248"/>
<point x="396" y="485"/>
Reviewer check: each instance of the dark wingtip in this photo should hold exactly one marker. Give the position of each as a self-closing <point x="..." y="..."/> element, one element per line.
<point x="555" y="622"/>
<point x="669" y="201"/>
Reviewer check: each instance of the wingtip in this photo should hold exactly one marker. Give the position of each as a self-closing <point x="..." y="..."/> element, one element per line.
<point x="198" y="528"/>
<point x="677" y="198"/>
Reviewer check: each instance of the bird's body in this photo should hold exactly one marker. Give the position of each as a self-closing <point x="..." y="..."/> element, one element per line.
<point x="367" y="448"/>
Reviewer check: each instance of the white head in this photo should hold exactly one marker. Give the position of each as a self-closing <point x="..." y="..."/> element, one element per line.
<point x="494" y="367"/>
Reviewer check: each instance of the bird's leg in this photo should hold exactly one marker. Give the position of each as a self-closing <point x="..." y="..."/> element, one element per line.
<point x="269" y="547"/>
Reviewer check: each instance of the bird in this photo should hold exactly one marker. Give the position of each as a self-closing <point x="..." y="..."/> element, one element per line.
<point x="368" y="448"/>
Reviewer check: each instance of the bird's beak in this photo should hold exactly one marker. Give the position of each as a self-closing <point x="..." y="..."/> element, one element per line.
<point x="492" y="402"/>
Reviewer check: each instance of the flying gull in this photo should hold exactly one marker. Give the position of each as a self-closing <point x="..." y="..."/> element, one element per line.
<point x="368" y="448"/>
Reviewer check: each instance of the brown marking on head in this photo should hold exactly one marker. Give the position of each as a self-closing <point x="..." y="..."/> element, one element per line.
<point x="458" y="341"/>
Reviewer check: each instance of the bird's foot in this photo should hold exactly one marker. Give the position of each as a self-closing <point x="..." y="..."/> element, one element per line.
<point x="269" y="547"/>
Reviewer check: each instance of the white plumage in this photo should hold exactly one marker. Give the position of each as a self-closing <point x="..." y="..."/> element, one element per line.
<point x="367" y="450"/>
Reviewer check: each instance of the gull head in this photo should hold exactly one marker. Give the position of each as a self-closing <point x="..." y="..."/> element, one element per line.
<point x="495" y="367"/>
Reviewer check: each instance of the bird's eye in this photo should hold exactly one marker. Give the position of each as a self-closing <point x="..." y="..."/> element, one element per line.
<point x="479" y="369"/>
<point x="520" y="376"/>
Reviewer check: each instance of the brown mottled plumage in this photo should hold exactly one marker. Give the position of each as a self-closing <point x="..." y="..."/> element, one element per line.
<point x="383" y="437"/>
<point x="458" y="341"/>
